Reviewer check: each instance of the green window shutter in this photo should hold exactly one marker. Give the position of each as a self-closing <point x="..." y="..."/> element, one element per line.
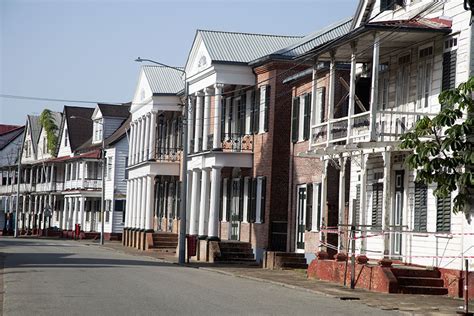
<point x="377" y="201"/>
<point x="229" y="199"/>
<point x="443" y="214"/>
<point x="309" y="206"/>
<point x="294" y="120"/>
<point x="307" y="116"/>
<point x="449" y="70"/>
<point x="267" y="108"/>
<point x="256" y="111"/>
<point x="263" y="199"/>
<point x="241" y="200"/>
<point x="253" y="200"/>
<point x="421" y="207"/>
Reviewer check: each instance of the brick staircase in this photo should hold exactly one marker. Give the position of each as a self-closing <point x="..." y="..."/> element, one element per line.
<point x="164" y="242"/>
<point x="291" y="260"/>
<point x="419" y="281"/>
<point x="235" y="252"/>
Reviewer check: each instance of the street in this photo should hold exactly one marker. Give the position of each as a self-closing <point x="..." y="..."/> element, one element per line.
<point x="55" y="277"/>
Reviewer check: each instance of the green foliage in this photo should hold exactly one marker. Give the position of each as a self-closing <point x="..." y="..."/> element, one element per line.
<point x="47" y="121"/>
<point x="443" y="147"/>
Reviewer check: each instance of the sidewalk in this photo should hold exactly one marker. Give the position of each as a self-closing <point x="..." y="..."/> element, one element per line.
<point x="408" y="304"/>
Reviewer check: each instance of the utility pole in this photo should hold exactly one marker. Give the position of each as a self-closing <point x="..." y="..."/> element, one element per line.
<point x="102" y="206"/>
<point x="17" y="211"/>
<point x="184" y="180"/>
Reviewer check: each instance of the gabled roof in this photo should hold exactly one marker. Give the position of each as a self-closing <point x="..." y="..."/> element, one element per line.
<point x="79" y="128"/>
<point x="119" y="132"/>
<point x="242" y="47"/>
<point x="114" y="110"/>
<point x="7" y="137"/>
<point x="164" y="80"/>
<point x="7" y="128"/>
<point x="315" y="39"/>
<point x="35" y="129"/>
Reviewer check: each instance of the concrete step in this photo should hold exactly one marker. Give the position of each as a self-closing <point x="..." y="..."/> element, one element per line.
<point x="163" y="250"/>
<point x="426" y="290"/>
<point x="289" y="255"/>
<point x="294" y="265"/>
<point x="234" y="259"/>
<point x="238" y="262"/>
<point x="236" y="255"/>
<point x="422" y="273"/>
<point x="419" y="281"/>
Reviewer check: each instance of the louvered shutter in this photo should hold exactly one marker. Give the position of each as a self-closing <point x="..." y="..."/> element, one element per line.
<point x="267" y="108"/>
<point x="241" y="199"/>
<point x="253" y="201"/>
<point x="421" y="209"/>
<point x="229" y="199"/>
<point x="294" y="120"/>
<point x="252" y="108"/>
<point x="223" y="116"/>
<point x="307" y="116"/>
<point x="318" y="220"/>
<point x="263" y="199"/>
<point x="449" y="70"/>
<point x="356" y="206"/>
<point x="309" y="206"/>
<point x="322" y="100"/>
<point x="443" y="214"/>
<point x="256" y="111"/>
<point x="377" y="200"/>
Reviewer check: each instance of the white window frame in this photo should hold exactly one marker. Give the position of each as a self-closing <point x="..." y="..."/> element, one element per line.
<point x="245" y="209"/>
<point x="258" y="204"/>
<point x="261" y="114"/>
<point x="424" y="80"/>
<point x="248" y="112"/>
<point x="224" y="199"/>
<point x="315" y="211"/>
<point x="301" y="118"/>
<point x="402" y="94"/>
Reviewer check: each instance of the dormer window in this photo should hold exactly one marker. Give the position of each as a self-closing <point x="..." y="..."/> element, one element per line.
<point x="97" y="130"/>
<point x="391" y="4"/>
<point x="66" y="142"/>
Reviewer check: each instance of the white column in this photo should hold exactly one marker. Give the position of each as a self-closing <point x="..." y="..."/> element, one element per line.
<point x="142" y="139"/>
<point x="135" y="142"/>
<point x="342" y="204"/>
<point x="189" y="175"/>
<point x="215" y="203"/>
<point x="127" y="205"/>
<point x="190" y="122"/>
<point x="70" y="214"/>
<point x="363" y="198"/>
<point x="76" y="212"/>
<point x="130" y="145"/>
<point x="204" y="204"/>
<point x="149" y="203"/>
<point x="315" y="112"/>
<point x="216" y="142"/>
<point x="152" y="142"/>
<point x="195" y="192"/>
<point x="81" y="211"/>
<point x="387" y="161"/>
<point x="133" y="207"/>
<point x="143" y="199"/>
<point x="198" y="122"/>
<point x="139" y="203"/>
<point x="352" y="87"/>
<point x="332" y="86"/>
<point x="147" y="137"/>
<point x="374" y="88"/>
<point x="207" y="118"/>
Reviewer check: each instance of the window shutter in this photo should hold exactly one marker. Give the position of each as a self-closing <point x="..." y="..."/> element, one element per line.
<point x="377" y="198"/>
<point x="241" y="200"/>
<point x="263" y="199"/>
<point x="309" y="206"/>
<point x="443" y="214"/>
<point x="307" y="116"/>
<point x="356" y="206"/>
<point x="252" y="112"/>
<point x="318" y="220"/>
<point x="253" y="201"/>
<point x="295" y="116"/>
<point x="267" y="108"/>
<point x="421" y="208"/>
<point x="256" y="111"/>
<point x="449" y="70"/>
<point x="221" y="204"/>
<point x="322" y="100"/>
<point x="223" y="116"/>
<point x="229" y="198"/>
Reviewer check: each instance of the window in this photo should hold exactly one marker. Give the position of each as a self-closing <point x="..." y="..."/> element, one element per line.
<point x="109" y="168"/>
<point x="295" y="118"/>
<point x="356" y="205"/>
<point x="449" y="63"/>
<point x="45" y="145"/>
<point x="425" y="70"/>
<point x="403" y="79"/>
<point x="377" y="200"/>
<point x="320" y="110"/>
<point x="443" y="214"/>
<point x="383" y="86"/>
<point x="248" y="111"/>
<point x="260" y="200"/>
<point x="309" y="206"/>
<point x="391" y="4"/>
<point x="421" y="208"/>
<point x="263" y="109"/>
<point x="98" y="130"/>
<point x="66" y="135"/>
<point x="301" y="116"/>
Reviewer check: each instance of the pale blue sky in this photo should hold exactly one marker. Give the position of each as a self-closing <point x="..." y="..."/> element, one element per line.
<point x="84" y="50"/>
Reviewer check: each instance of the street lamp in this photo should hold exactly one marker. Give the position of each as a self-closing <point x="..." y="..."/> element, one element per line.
<point x="102" y="202"/>
<point x="184" y="180"/>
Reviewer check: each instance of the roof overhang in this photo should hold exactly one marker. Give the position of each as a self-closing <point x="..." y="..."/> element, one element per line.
<point x="363" y="147"/>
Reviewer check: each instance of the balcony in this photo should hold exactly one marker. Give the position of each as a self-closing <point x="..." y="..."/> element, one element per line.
<point x="83" y="184"/>
<point x="231" y="142"/>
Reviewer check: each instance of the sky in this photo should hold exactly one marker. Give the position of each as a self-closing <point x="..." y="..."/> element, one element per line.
<point x="84" y="50"/>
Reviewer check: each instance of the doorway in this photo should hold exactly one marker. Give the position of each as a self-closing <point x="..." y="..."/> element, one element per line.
<point x="300" y="217"/>
<point x="397" y="214"/>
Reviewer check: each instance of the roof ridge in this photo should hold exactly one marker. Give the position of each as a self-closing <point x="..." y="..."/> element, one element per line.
<point x="159" y="66"/>
<point x="248" y="33"/>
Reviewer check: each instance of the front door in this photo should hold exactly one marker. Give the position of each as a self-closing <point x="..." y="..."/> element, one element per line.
<point x="235" y="210"/>
<point x="300" y="218"/>
<point x="397" y="214"/>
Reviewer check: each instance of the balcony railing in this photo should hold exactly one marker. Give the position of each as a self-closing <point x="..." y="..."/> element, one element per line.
<point x="237" y="142"/>
<point x="167" y="154"/>
<point x="82" y="184"/>
<point x="389" y="126"/>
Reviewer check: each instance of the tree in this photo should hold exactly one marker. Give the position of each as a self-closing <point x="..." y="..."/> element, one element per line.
<point x="47" y="121"/>
<point x="443" y="147"/>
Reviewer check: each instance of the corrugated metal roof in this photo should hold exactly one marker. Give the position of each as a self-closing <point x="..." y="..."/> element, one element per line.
<point x="242" y="47"/>
<point x="315" y="39"/>
<point x="164" y="80"/>
<point x="35" y="129"/>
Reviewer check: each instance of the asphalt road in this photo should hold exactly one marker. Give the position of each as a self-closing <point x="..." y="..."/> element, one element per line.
<point x="53" y="277"/>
